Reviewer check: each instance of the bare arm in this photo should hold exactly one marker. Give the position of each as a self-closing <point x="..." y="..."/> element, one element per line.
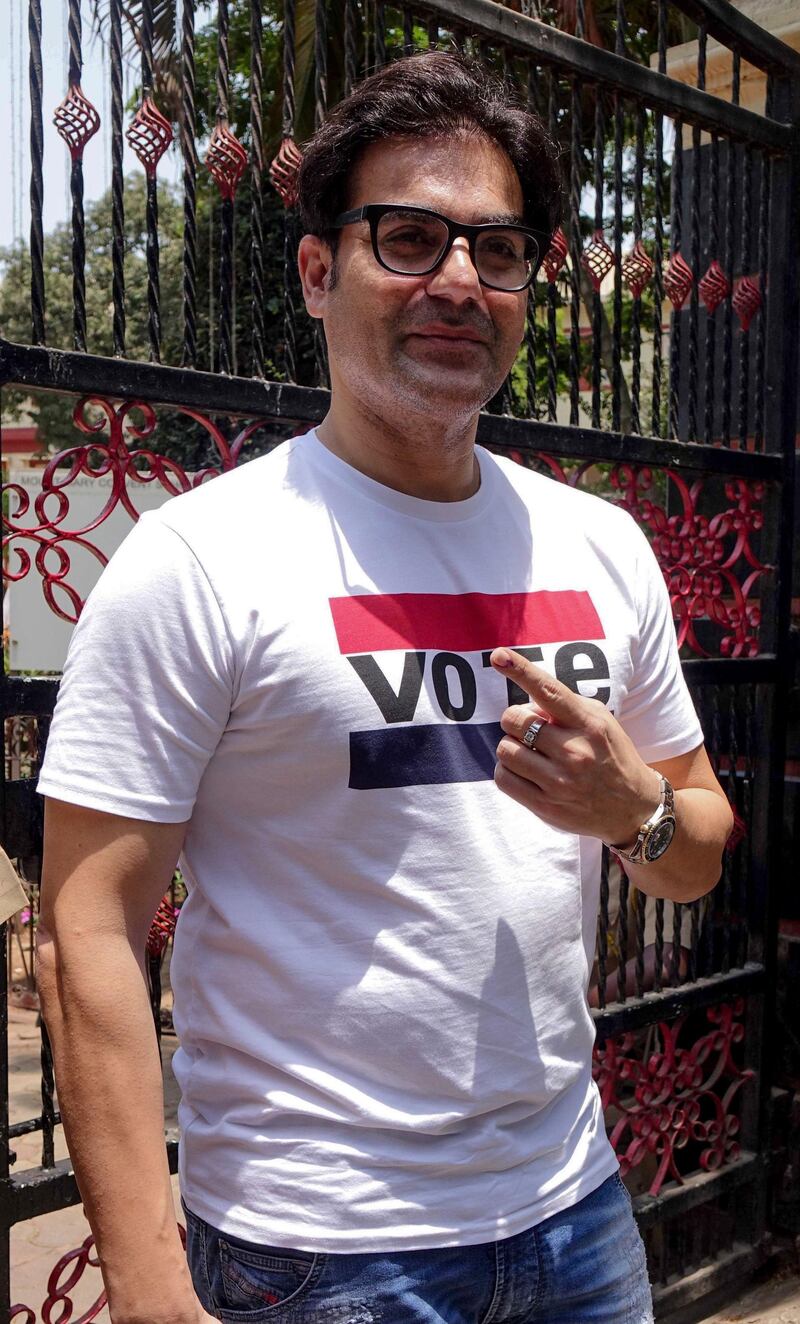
<point x="102" y="880"/>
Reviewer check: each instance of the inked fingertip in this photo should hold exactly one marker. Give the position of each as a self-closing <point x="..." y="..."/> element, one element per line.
<point x="501" y="658"/>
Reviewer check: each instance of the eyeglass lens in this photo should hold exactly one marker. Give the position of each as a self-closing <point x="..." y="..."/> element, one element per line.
<point x="412" y="243"/>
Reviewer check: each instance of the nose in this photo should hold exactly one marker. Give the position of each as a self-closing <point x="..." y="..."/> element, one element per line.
<point x="456" y="278"/>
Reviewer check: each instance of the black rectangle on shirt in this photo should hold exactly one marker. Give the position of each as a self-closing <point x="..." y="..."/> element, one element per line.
<point x="423" y="755"/>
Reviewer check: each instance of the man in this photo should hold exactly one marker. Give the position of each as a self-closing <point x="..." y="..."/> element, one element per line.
<point x="295" y="675"/>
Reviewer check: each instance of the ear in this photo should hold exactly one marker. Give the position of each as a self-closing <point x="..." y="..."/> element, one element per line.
<point x="314" y="261"/>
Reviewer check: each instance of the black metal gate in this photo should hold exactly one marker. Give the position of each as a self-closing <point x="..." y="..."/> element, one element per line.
<point x="659" y="368"/>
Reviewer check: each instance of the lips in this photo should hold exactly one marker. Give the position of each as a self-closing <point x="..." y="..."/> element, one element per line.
<point x="458" y="333"/>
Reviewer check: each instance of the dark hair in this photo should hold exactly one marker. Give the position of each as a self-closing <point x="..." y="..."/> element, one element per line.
<point x="430" y="95"/>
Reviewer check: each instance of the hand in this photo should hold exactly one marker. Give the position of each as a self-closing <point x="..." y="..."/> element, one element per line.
<point x="584" y="775"/>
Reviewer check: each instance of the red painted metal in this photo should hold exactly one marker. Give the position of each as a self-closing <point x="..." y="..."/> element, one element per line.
<point x="711" y="569"/>
<point x="149" y="135"/>
<point x="746" y="300"/>
<point x="709" y="564"/>
<point x="678" y="281"/>
<point x="637" y="269"/>
<point x="556" y="255"/>
<point x="76" y="120"/>
<point x="674" y="1096"/>
<point x="226" y="160"/>
<point x="283" y="171"/>
<point x="597" y="259"/>
<point x="51" y="538"/>
<point x="708" y="561"/>
<point x="65" y="1275"/>
<point x="714" y="287"/>
<point x="162" y="927"/>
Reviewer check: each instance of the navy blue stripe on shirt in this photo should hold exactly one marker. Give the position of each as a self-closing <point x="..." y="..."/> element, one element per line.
<point x="423" y="755"/>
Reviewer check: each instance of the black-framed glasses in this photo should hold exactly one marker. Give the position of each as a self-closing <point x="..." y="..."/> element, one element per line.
<point x="414" y="241"/>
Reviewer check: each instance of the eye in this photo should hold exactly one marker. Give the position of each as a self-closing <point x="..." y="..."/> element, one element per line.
<point x="502" y="247"/>
<point x="411" y="235"/>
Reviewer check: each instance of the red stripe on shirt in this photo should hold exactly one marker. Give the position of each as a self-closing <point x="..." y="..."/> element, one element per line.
<point x="463" y="622"/>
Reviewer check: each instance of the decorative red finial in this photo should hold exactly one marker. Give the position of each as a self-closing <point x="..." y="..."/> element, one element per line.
<point x="76" y="120"/>
<point x="226" y="160"/>
<point x="597" y="259"/>
<point x="714" y="287"/>
<point x="637" y="268"/>
<point x="162" y="927"/>
<point x="746" y="301"/>
<point x="149" y="135"/>
<point x="283" y="171"/>
<point x="556" y="255"/>
<point x="678" y="281"/>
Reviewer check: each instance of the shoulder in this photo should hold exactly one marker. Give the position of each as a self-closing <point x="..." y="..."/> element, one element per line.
<point x="226" y="511"/>
<point x="549" y="499"/>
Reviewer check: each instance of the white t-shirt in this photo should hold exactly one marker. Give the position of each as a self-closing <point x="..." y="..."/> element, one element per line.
<point x="380" y="972"/>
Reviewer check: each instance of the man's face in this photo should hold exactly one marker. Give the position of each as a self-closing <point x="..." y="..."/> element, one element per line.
<point x="440" y="343"/>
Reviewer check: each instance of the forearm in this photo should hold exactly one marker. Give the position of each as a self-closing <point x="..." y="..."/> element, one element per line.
<point x="693" y="863"/>
<point x="95" y="1004"/>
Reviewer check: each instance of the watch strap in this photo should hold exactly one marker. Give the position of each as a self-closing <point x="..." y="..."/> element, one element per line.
<point x="635" y="854"/>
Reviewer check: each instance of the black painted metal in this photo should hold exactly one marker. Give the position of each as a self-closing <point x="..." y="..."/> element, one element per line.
<point x="751" y="165"/>
<point x="74" y="36"/>
<point x="256" y="187"/>
<point x="117" y="179"/>
<point x="189" y="156"/>
<point x="80" y="374"/>
<point x="37" y="179"/>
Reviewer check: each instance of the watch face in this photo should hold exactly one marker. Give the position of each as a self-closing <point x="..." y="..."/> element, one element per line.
<point x="659" y="839"/>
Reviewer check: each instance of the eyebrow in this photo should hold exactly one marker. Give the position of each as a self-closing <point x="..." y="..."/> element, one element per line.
<point x="501" y="218"/>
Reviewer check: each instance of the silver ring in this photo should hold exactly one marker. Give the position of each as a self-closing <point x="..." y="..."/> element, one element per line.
<point x="532" y="734"/>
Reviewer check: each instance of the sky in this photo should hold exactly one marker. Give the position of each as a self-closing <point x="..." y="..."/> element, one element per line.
<point x="15" y="138"/>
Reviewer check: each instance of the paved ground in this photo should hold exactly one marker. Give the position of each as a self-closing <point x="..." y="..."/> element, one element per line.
<point x="775" y="1302"/>
<point x="39" y="1243"/>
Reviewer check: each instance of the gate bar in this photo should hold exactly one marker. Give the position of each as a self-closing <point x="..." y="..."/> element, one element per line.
<point x="614" y="72"/>
<point x="92" y="375"/>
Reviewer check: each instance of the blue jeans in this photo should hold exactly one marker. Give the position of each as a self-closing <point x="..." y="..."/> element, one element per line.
<point x="583" y="1266"/>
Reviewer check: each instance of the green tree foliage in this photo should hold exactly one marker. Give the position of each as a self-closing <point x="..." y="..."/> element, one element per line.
<point x="54" y="412"/>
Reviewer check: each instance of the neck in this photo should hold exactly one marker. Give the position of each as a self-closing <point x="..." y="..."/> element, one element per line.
<point x="423" y="456"/>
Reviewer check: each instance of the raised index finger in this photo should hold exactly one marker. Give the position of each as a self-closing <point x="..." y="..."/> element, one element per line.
<point x="556" y="700"/>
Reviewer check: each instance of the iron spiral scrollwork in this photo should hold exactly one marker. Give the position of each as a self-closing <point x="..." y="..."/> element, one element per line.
<point x="710" y="562"/>
<point x="660" y="1099"/>
<point x="47" y="543"/>
<point x="66" y="1274"/>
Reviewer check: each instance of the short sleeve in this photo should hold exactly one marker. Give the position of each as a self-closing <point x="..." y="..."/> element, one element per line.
<point x="657" y="711"/>
<point x="147" y="685"/>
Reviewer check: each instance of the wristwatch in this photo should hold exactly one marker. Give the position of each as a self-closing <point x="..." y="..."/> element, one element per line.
<point x="656" y="832"/>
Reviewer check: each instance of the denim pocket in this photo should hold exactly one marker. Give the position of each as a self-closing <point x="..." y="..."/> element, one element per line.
<point x="256" y="1283"/>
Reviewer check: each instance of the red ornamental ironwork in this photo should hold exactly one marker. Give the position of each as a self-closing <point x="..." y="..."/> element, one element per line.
<point x="746" y="301"/>
<point x="226" y="160"/>
<point x="62" y="1281"/>
<point x="52" y="539"/>
<point x="597" y="259"/>
<point x="59" y="1288"/>
<point x="637" y="269"/>
<point x="162" y="927"/>
<point x="714" y="287"/>
<point x="678" y="281"/>
<point x="708" y="561"/>
<point x="556" y="255"/>
<point x="677" y="1094"/>
<point x="76" y="120"/>
<point x="284" y="170"/>
<point x="149" y="135"/>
